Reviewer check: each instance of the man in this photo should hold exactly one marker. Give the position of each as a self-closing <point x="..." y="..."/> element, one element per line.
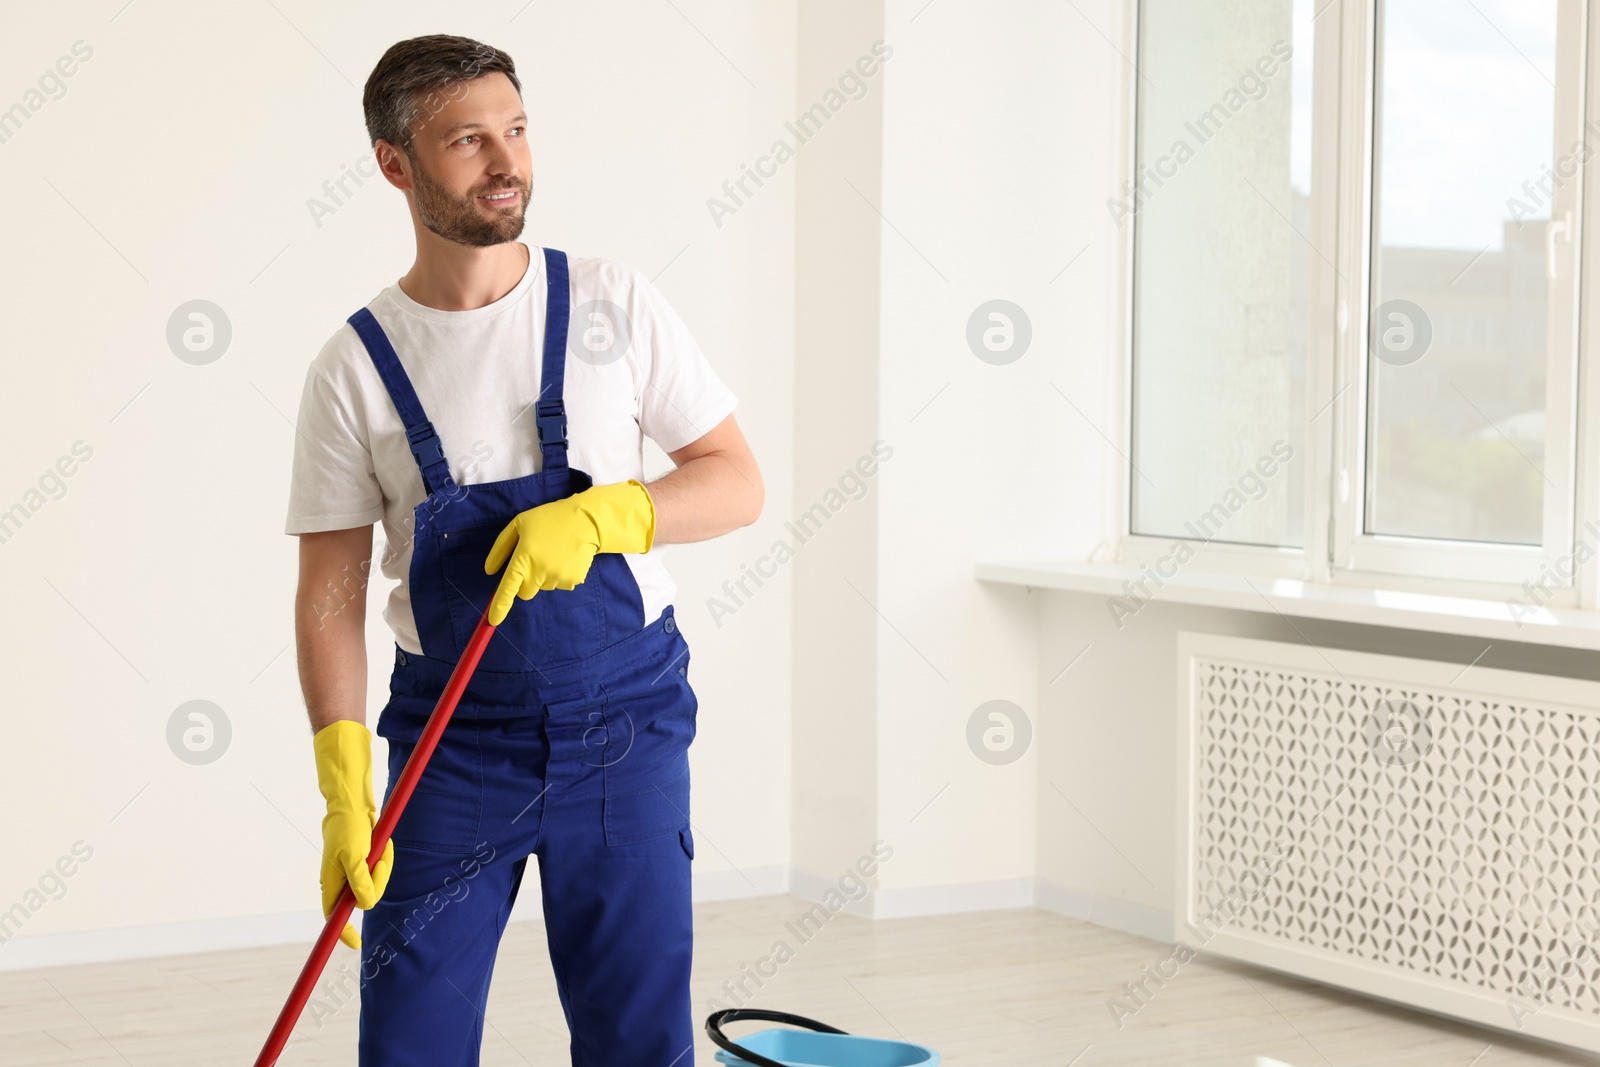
<point x="503" y="455"/>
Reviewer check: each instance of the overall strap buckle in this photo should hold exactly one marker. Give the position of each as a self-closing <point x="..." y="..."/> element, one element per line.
<point x="425" y="445"/>
<point x="552" y="422"/>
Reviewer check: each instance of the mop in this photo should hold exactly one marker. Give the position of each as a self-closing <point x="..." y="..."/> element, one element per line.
<point x="381" y="832"/>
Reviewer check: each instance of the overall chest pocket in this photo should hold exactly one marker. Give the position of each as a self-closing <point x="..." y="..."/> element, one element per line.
<point x="555" y="626"/>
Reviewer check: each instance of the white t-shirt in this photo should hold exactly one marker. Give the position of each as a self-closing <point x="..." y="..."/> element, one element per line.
<point x="629" y="375"/>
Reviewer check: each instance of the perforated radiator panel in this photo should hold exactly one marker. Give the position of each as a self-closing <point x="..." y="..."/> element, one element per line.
<point x="1403" y="827"/>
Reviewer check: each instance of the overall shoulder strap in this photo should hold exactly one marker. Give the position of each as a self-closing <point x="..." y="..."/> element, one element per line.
<point x="425" y="444"/>
<point x="551" y="414"/>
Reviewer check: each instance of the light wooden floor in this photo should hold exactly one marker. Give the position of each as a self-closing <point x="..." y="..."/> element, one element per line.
<point x="1019" y="988"/>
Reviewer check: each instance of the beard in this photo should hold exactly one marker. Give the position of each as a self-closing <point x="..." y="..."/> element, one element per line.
<point x="466" y="219"/>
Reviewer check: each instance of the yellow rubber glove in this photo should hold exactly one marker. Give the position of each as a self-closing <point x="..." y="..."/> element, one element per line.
<point x="344" y="774"/>
<point x="553" y="545"/>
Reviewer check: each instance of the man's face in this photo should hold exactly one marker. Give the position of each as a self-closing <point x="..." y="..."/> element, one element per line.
<point x="469" y="149"/>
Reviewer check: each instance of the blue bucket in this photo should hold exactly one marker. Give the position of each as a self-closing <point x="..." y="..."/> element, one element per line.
<point x="820" y="1046"/>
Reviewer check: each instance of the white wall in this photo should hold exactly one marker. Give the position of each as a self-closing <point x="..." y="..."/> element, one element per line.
<point x="999" y="152"/>
<point x="974" y="167"/>
<point x="835" y="301"/>
<point x="836" y="504"/>
<point x="178" y="165"/>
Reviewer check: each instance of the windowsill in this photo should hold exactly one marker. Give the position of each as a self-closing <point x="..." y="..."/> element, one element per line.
<point x="1466" y="616"/>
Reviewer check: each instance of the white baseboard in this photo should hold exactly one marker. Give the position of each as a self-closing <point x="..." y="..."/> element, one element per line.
<point x="949" y="899"/>
<point x="1114" y="913"/>
<point x="26" y="952"/>
<point x="301" y="927"/>
<point x="738" y="885"/>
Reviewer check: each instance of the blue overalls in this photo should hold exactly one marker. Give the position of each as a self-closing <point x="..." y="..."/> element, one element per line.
<point x="570" y="743"/>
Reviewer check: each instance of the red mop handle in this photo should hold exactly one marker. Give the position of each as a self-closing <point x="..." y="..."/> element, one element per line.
<point x="390" y="815"/>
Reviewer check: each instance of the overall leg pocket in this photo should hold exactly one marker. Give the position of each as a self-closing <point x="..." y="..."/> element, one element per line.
<point x="445" y="811"/>
<point x="642" y="814"/>
<point x="649" y="725"/>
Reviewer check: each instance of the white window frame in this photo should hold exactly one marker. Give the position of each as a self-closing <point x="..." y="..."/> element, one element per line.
<point x="1335" y="552"/>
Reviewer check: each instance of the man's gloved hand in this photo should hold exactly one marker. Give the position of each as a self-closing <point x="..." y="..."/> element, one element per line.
<point x="553" y="545"/>
<point x="344" y="774"/>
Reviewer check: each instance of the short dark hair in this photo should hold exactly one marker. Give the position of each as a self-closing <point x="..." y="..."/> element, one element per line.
<point x="415" y="78"/>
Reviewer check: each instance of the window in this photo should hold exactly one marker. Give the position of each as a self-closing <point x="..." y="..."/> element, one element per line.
<point x="1221" y="312"/>
<point x="1353" y="229"/>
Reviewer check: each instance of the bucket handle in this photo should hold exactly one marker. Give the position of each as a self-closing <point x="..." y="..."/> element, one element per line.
<point x="728" y="1015"/>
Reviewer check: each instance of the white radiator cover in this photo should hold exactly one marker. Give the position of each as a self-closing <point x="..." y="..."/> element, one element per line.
<point x="1401" y="827"/>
